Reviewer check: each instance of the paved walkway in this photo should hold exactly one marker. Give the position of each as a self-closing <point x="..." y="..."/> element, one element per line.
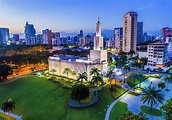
<point x="134" y="103"/>
<point x="18" y="117"/>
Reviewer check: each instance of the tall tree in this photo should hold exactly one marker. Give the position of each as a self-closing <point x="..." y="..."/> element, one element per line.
<point x="152" y="96"/>
<point x="167" y="109"/>
<point x="168" y="80"/>
<point x="95" y="72"/>
<point x="5" y="70"/>
<point x="8" y="106"/>
<point x="96" y="80"/>
<point x="143" y="61"/>
<point x="112" y="64"/>
<point x="67" y="71"/>
<point x="82" y="77"/>
<point x="111" y="76"/>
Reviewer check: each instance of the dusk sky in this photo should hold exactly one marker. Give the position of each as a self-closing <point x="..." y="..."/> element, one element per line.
<point x="73" y="15"/>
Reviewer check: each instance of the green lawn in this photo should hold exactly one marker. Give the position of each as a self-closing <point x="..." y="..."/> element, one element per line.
<point x="5" y="117"/>
<point x="39" y="99"/>
<point x="154" y="112"/>
<point x="118" y="109"/>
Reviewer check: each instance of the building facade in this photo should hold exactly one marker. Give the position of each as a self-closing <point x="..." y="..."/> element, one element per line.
<point x="47" y="36"/>
<point x="156" y="54"/>
<point x="4" y="35"/>
<point x="165" y="32"/>
<point x="129" y="31"/>
<point x="118" y="37"/>
<point x="30" y="34"/>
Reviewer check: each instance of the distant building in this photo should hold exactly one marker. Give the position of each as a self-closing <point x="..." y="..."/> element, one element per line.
<point x="30" y="34"/>
<point x="56" y="38"/>
<point x="118" y="37"/>
<point x="139" y="32"/>
<point x="39" y="39"/>
<point x="16" y="38"/>
<point x="84" y="41"/>
<point x="4" y="35"/>
<point x="169" y="42"/>
<point x="165" y="32"/>
<point x="156" y="54"/>
<point x="47" y="36"/>
<point x="129" y="31"/>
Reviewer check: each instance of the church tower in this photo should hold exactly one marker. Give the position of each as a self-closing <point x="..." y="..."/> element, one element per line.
<point x="98" y="39"/>
<point x="98" y="54"/>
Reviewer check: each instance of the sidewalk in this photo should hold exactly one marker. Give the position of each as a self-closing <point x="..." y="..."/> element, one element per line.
<point x="18" y="117"/>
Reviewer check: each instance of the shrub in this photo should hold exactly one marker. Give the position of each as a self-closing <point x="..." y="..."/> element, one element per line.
<point x="80" y="92"/>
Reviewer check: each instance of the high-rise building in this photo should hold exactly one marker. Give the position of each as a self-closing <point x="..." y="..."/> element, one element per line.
<point x="56" y="38"/>
<point x="4" y="35"/>
<point x="139" y="32"/>
<point x="118" y="37"/>
<point x="30" y="34"/>
<point x="156" y="54"/>
<point x="129" y="31"/>
<point x="47" y="36"/>
<point x="16" y="38"/>
<point x="165" y="32"/>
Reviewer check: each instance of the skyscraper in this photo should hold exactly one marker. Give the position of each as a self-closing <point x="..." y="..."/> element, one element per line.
<point x="47" y="36"/>
<point x="118" y="36"/>
<point x="129" y="31"/>
<point x="139" y="32"/>
<point x="4" y="35"/>
<point x="29" y="34"/>
<point x="16" y="38"/>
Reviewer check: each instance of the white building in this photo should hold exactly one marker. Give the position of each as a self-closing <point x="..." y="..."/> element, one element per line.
<point x="156" y="54"/>
<point x="97" y="59"/>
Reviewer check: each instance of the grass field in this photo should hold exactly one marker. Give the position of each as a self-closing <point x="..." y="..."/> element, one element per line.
<point x="118" y="109"/>
<point x="39" y="99"/>
<point x="154" y="112"/>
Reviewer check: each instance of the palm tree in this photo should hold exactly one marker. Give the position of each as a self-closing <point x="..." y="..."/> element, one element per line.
<point x="82" y="77"/>
<point x="152" y="96"/>
<point x="96" y="80"/>
<point x="67" y="71"/>
<point x="111" y="75"/>
<point x="112" y="64"/>
<point x="53" y="71"/>
<point x="168" y="80"/>
<point x="143" y="61"/>
<point x="161" y="85"/>
<point x="8" y="106"/>
<point x="95" y="71"/>
<point x="73" y="73"/>
<point x="159" y="70"/>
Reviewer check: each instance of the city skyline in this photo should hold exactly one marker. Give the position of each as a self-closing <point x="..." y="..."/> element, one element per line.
<point x="73" y="15"/>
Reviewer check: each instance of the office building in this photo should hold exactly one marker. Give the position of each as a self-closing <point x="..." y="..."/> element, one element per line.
<point x="4" y="35"/>
<point x="156" y="54"/>
<point x="129" y="31"/>
<point x="47" y="36"/>
<point x="30" y="34"/>
<point x="165" y="32"/>
<point x="118" y="37"/>
<point x="139" y="32"/>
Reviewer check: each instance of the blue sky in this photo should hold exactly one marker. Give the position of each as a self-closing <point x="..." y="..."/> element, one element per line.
<point x="73" y="15"/>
